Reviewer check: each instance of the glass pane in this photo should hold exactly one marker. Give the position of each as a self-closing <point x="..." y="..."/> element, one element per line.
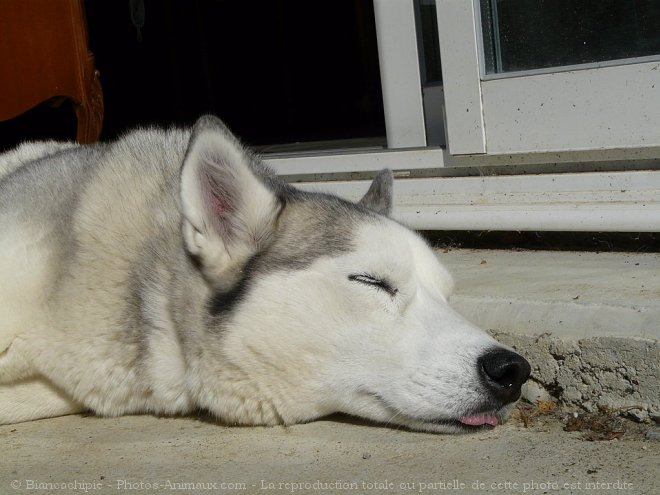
<point x="428" y="42"/>
<point x="535" y="34"/>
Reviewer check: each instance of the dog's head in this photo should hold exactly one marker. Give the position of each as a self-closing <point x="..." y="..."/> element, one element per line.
<point x="320" y="305"/>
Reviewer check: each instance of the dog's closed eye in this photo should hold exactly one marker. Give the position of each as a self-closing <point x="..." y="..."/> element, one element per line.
<point x="373" y="281"/>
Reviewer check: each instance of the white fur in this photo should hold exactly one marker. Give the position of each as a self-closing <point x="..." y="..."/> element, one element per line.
<point x="29" y="151"/>
<point x="23" y="261"/>
<point x="167" y="364"/>
<point x="34" y="398"/>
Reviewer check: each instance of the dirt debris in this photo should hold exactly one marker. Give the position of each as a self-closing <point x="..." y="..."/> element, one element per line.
<point x="597" y="427"/>
<point x="603" y="425"/>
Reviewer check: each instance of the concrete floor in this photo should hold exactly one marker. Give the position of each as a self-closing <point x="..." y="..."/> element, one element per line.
<point x="144" y="453"/>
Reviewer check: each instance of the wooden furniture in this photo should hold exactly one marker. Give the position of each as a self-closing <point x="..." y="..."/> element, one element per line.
<point x="44" y="54"/>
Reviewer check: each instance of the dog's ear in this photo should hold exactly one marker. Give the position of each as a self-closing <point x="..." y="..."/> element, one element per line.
<point x="229" y="214"/>
<point x="379" y="196"/>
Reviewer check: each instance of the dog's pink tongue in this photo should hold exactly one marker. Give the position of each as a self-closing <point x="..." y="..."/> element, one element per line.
<point x="479" y="419"/>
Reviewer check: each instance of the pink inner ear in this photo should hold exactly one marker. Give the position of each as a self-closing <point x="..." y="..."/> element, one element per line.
<point x="218" y="206"/>
<point x="219" y="210"/>
<point x="217" y="200"/>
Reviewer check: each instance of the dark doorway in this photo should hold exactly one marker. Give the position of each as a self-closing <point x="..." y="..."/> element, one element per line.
<point x="277" y="71"/>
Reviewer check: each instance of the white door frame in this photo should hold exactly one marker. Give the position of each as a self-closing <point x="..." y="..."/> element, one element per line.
<point x="399" y="73"/>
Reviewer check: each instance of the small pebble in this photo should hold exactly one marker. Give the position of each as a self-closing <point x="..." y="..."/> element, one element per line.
<point x="366" y="455"/>
<point x="652" y="435"/>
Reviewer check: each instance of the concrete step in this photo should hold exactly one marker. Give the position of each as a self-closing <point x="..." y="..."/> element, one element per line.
<point x="588" y="322"/>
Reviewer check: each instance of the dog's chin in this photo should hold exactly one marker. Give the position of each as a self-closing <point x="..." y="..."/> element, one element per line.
<point x="442" y="425"/>
<point x="461" y="423"/>
<point x="484" y="415"/>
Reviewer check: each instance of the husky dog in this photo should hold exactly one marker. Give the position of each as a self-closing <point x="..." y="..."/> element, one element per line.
<point x="171" y="271"/>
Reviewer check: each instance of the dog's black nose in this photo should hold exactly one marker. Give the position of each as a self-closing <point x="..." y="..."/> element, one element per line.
<point x="503" y="372"/>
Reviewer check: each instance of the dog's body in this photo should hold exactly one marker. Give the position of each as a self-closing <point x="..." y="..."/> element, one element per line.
<point x="171" y="271"/>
